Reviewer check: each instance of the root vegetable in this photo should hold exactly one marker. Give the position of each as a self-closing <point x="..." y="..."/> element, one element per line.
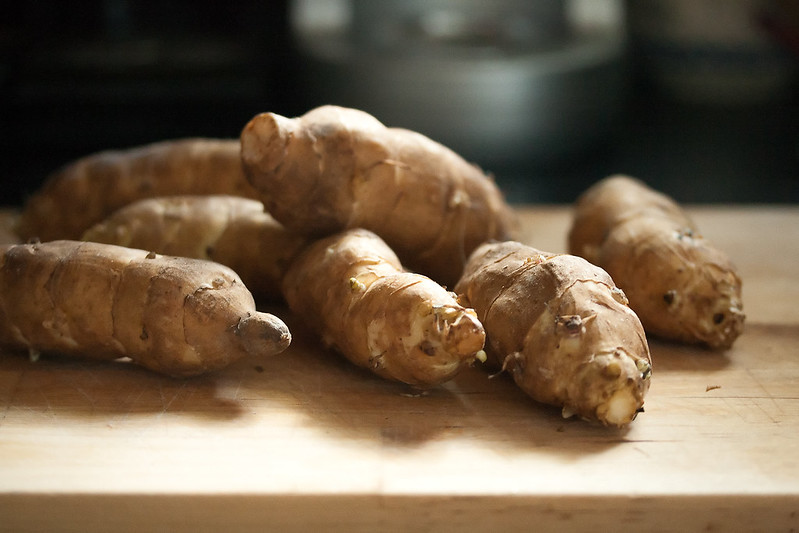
<point x="351" y="288"/>
<point x="86" y="191"/>
<point x="230" y="230"/>
<point x="680" y="285"/>
<point x="172" y="315"/>
<point x="561" y="328"/>
<point x="337" y="168"/>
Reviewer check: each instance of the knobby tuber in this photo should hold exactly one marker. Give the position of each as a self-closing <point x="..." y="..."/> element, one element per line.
<point x="172" y="315"/>
<point x="85" y="191"/>
<point x="233" y="231"/>
<point x="352" y="289"/>
<point x="336" y="168"/>
<point x="561" y="328"/>
<point x="681" y="286"/>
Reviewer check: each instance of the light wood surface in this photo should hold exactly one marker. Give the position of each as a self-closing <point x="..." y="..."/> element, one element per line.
<point x="305" y="442"/>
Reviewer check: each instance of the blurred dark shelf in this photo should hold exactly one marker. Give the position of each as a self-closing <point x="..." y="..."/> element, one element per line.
<point x="696" y="153"/>
<point x="73" y="84"/>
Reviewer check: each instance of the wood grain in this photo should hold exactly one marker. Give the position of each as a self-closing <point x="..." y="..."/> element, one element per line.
<point x="304" y="441"/>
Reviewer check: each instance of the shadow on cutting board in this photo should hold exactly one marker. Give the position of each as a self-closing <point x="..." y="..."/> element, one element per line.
<point x="306" y="386"/>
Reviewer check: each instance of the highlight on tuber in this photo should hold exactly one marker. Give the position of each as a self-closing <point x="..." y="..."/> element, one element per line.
<point x="173" y="315"/>
<point x="337" y="168"/>
<point x="230" y="230"/>
<point x="87" y="190"/>
<point x="561" y="328"/>
<point x="352" y="290"/>
<point x="681" y="286"/>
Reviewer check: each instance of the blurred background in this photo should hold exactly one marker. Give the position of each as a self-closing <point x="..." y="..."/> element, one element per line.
<point x="697" y="97"/>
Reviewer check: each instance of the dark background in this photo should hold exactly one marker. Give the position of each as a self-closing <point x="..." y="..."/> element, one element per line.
<point x="79" y="77"/>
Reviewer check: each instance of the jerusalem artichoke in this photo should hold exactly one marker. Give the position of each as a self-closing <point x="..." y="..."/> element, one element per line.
<point x="403" y="326"/>
<point x="336" y="168"/>
<point x="172" y="315"/>
<point x="561" y="328"/>
<point x="233" y="231"/>
<point x="680" y="285"/>
<point x="85" y="191"/>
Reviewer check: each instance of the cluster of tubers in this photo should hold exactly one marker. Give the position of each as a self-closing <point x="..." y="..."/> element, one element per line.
<point x="359" y="229"/>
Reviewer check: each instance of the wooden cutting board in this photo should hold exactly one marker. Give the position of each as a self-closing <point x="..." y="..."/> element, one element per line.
<point x="305" y="442"/>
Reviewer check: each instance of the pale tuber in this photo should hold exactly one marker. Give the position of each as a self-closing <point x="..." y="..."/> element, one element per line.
<point x="681" y="286"/>
<point x="336" y="168"/>
<point x="172" y="315"/>
<point x="561" y="328"/>
<point x="352" y="290"/>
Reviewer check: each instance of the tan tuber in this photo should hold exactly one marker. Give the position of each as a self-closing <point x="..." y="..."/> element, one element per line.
<point x="336" y="168"/>
<point x="561" y="328"/>
<point x="352" y="290"/>
<point x="173" y="315"/>
<point x="233" y="231"/>
<point x="84" y="192"/>
<point x="681" y="286"/>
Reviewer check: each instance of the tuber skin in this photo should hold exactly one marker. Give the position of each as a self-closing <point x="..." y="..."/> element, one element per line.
<point x="351" y="289"/>
<point x="86" y="191"/>
<point x="561" y="328"/>
<point x="230" y="230"/>
<point x="681" y="286"/>
<point x="337" y="168"/>
<point x="172" y="315"/>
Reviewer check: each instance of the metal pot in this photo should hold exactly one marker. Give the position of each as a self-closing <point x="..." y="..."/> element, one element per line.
<point x="503" y="83"/>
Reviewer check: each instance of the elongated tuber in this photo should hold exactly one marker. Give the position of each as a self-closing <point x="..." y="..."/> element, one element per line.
<point x="230" y="230"/>
<point x="681" y="286"/>
<point x="86" y="191"/>
<point x="402" y="326"/>
<point x="172" y="315"/>
<point x="336" y="168"/>
<point x="561" y="328"/>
